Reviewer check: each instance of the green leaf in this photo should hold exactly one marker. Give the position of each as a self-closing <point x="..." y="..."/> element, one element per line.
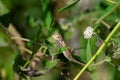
<point x="44" y="4"/>
<point x="68" y="6"/>
<point x="7" y="55"/>
<point x="63" y="49"/>
<point x="32" y="22"/>
<point x="83" y="49"/>
<point x="48" y="19"/>
<point x="50" y="64"/>
<point x="110" y="8"/>
<point x="89" y="54"/>
<point x="88" y="51"/>
<point x="3" y="9"/>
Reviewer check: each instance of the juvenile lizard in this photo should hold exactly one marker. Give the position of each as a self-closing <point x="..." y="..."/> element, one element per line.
<point x="61" y="43"/>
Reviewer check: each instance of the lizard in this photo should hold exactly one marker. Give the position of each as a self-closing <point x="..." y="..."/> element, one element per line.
<point x="61" y="43"/>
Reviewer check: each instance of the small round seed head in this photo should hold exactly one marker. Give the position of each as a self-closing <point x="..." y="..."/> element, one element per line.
<point x="88" y="33"/>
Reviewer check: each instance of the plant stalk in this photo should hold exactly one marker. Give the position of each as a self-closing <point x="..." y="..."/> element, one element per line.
<point x="98" y="51"/>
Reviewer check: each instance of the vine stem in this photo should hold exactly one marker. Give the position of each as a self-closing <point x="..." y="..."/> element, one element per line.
<point x="98" y="51"/>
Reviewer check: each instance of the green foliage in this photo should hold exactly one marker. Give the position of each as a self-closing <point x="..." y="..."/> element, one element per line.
<point x="7" y="55"/>
<point x="88" y="51"/>
<point x="3" y="9"/>
<point x="50" y="64"/>
<point x="37" y="21"/>
<point x="48" y="19"/>
<point x="44" y="4"/>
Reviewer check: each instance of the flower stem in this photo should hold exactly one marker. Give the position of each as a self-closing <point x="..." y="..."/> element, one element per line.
<point x="98" y="51"/>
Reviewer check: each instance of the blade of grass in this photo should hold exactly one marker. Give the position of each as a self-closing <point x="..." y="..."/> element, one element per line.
<point x="98" y="51"/>
<point x="67" y="6"/>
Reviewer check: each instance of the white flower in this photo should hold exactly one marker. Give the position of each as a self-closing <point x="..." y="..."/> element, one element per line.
<point x="88" y="32"/>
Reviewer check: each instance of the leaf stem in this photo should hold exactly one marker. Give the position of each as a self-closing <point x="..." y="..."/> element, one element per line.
<point x="98" y="51"/>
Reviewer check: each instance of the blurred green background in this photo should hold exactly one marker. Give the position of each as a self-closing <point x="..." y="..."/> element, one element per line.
<point x="37" y="20"/>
